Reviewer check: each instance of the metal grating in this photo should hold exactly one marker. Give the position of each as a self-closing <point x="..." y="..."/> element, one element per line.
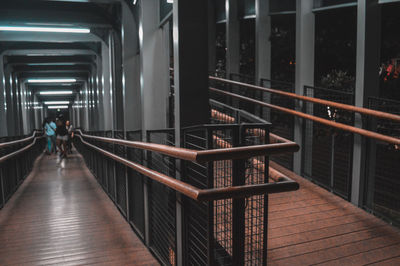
<point x="162" y="201"/>
<point x="120" y="174"/>
<point x="255" y="207"/>
<point x="282" y="124"/>
<point x="330" y="151"/>
<point x="136" y="186"/>
<point x="383" y="183"/>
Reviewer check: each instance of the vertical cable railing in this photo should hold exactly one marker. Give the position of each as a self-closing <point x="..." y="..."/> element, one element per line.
<point x="282" y="124"/>
<point x="16" y="162"/>
<point x="162" y="200"/>
<point x="136" y="186"/>
<point x="327" y="153"/>
<point x="383" y="184"/>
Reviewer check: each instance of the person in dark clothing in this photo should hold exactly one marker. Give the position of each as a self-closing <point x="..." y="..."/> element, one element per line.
<point x="62" y="136"/>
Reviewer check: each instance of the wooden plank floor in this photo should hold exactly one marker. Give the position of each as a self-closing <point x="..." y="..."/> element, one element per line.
<point x="61" y="216"/>
<point x="312" y="226"/>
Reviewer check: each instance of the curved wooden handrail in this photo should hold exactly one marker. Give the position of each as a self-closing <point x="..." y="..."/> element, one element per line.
<point x="205" y="155"/>
<point x="342" y="106"/>
<point x="14" y="142"/>
<point x="356" y="130"/>
<point x="15" y="153"/>
<point x="197" y="193"/>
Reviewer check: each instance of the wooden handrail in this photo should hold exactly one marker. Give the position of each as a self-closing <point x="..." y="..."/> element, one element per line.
<point x="15" y="153"/>
<point x="356" y="130"/>
<point x="206" y="155"/>
<point x="14" y="142"/>
<point x="342" y="106"/>
<point x="197" y="193"/>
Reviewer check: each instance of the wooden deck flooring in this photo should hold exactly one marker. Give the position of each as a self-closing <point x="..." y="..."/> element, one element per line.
<point x="312" y="226"/>
<point x="61" y="216"/>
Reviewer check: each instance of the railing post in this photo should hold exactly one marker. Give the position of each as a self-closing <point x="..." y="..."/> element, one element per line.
<point x="238" y="205"/>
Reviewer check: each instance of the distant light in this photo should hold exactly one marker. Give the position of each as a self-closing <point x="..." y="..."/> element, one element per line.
<point x="50" y="80"/>
<point x="134" y="2"/>
<point x="58" y="107"/>
<point x="56" y="102"/>
<point x="44" y="29"/>
<point x="55" y="92"/>
<point x="170" y="1"/>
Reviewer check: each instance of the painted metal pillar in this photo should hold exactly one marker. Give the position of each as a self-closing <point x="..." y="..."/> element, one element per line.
<point x="305" y="36"/>
<point x="367" y="84"/>
<point x="3" y="103"/>
<point x="190" y="19"/>
<point x="212" y="36"/>
<point x="263" y="49"/>
<point x="232" y="37"/>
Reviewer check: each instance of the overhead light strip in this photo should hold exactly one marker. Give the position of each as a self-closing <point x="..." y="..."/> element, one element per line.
<point x="58" y="107"/>
<point x="51" y="80"/>
<point x="56" y="102"/>
<point x="55" y="92"/>
<point x="44" y="29"/>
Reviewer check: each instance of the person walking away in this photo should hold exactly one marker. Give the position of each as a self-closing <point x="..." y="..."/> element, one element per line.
<point x="70" y="136"/>
<point x="50" y="132"/>
<point x="53" y="137"/>
<point x="62" y="136"/>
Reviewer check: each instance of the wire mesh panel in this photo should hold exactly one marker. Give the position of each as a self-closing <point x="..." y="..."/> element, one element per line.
<point x="327" y="153"/>
<point x="382" y="193"/>
<point x="120" y="174"/>
<point x="162" y="201"/>
<point x="243" y="105"/>
<point x="14" y="170"/>
<point x="110" y="170"/>
<point x="256" y="206"/>
<point x="282" y="123"/>
<point x="136" y="186"/>
<point x="208" y="226"/>
<point x="229" y="231"/>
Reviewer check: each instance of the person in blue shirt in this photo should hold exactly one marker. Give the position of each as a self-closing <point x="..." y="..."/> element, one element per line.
<point x="49" y="128"/>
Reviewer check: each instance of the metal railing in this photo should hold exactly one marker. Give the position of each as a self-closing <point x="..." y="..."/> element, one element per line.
<point x="220" y="175"/>
<point x="16" y="161"/>
<point x="328" y="133"/>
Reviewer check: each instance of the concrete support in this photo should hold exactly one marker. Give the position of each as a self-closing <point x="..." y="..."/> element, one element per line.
<point x="367" y="84"/>
<point x="305" y="35"/>
<point x="232" y="37"/>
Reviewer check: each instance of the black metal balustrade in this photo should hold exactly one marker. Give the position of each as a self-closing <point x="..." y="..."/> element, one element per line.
<point x="282" y="124"/>
<point x="230" y="231"/>
<point x="383" y="171"/>
<point x="15" y="166"/>
<point x="328" y="152"/>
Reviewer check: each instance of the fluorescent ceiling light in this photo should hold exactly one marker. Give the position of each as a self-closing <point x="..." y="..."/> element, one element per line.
<point x="50" y="80"/>
<point x="58" y="107"/>
<point x="56" y="102"/>
<point x="55" y="92"/>
<point x="170" y="1"/>
<point x="44" y="29"/>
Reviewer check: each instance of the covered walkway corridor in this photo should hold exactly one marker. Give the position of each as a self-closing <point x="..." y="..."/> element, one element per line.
<point x="204" y="132"/>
